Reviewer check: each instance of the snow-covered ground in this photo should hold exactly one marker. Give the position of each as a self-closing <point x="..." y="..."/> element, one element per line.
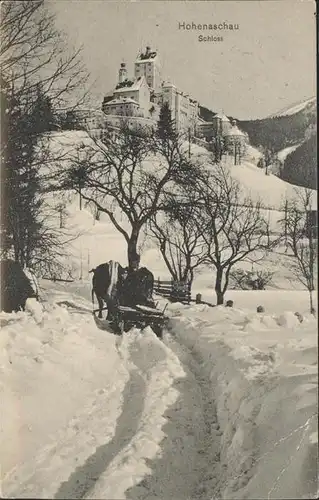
<point x="282" y="155"/>
<point x="224" y="407"/>
<point x="271" y="190"/>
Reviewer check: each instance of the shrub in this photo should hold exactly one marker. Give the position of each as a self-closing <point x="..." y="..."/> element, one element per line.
<point x="251" y="280"/>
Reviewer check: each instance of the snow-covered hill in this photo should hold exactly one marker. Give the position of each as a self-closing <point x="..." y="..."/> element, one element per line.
<point x="282" y="155"/>
<point x="307" y="105"/>
<point x="99" y="241"/>
<point x="271" y="190"/>
<point x="295" y="126"/>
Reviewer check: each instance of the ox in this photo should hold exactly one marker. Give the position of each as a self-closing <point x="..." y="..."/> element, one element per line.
<point x="15" y="287"/>
<point x="106" y="281"/>
<point x="137" y="288"/>
<point x="116" y="285"/>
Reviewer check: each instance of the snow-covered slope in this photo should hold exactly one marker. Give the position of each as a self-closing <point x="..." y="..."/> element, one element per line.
<point x="282" y="155"/>
<point x="99" y="241"/>
<point x="269" y="189"/>
<point x="295" y="108"/>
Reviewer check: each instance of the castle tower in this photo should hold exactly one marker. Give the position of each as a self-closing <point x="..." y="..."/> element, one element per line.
<point x="147" y="64"/>
<point x="122" y="73"/>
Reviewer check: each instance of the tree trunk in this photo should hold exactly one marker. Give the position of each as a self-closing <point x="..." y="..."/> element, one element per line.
<point x="61" y="219"/>
<point x="218" y="287"/>
<point x="312" y="309"/>
<point x="132" y="246"/>
<point x="80" y="198"/>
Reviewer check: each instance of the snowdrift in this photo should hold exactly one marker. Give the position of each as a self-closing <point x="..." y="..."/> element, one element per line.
<point x="89" y="414"/>
<point x="263" y="374"/>
<point x="77" y="399"/>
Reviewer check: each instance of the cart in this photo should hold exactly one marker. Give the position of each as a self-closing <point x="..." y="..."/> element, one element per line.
<point x="139" y="316"/>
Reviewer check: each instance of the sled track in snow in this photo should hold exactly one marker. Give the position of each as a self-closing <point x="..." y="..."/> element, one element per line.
<point x="84" y="477"/>
<point x="194" y="430"/>
<point x="188" y="466"/>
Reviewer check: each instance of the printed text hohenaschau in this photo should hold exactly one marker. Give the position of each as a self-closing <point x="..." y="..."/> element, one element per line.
<point x="214" y="27"/>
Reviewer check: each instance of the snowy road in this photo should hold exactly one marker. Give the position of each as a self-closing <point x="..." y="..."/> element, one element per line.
<point x="149" y="431"/>
<point x="188" y="463"/>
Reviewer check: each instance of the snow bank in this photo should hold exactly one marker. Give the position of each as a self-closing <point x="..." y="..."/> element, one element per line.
<point x="156" y="369"/>
<point x="263" y="373"/>
<point x="61" y="385"/>
<point x="84" y="408"/>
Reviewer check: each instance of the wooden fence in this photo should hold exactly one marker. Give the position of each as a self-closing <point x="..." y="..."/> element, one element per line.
<point x="176" y="291"/>
<point x="52" y="278"/>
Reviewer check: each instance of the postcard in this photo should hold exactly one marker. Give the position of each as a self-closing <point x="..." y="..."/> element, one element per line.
<point x="159" y="250"/>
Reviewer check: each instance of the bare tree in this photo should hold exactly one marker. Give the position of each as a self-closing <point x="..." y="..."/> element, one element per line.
<point x="269" y="156"/>
<point x="180" y="240"/>
<point x="238" y="149"/>
<point x="218" y="147"/>
<point x="39" y="73"/>
<point x="301" y="239"/>
<point x="234" y="227"/>
<point x="33" y="51"/>
<point x="128" y="176"/>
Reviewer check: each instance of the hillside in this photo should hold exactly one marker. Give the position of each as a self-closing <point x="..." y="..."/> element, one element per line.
<point x="300" y="166"/>
<point x="282" y="130"/>
<point x="292" y="127"/>
<point x="98" y="241"/>
<point x="295" y="108"/>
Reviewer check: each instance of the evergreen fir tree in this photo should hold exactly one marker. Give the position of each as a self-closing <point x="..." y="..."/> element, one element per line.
<point x="42" y="117"/>
<point x="300" y="166"/>
<point x="20" y="182"/>
<point x="166" y="125"/>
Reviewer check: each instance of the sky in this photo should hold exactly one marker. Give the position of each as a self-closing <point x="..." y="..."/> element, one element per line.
<point x="267" y="64"/>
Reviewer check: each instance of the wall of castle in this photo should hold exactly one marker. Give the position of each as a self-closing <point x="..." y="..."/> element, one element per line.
<point x="144" y="99"/>
<point x="151" y="72"/>
<point x="122" y="108"/>
<point x="117" y="121"/>
<point x="141" y="95"/>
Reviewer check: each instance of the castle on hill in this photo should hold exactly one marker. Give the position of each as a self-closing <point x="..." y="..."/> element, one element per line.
<point x="142" y="95"/>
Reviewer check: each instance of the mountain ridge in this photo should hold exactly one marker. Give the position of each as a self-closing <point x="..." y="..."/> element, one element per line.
<point x="295" y="108"/>
<point x="293" y="127"/>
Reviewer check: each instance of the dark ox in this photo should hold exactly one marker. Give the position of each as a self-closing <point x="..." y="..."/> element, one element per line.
<point x="15" y="287"/>
<point x="116" y="285"/>
<point x="137" y="288"/>
<point x="106" y="282"/>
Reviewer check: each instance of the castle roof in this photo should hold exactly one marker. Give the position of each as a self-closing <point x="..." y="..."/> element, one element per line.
<point x="130" y="85"/>
<point x="121" y="100"/>
<point x="222" y="117"/>
<point x="234" y="131"/>
<point x="168" y="84"/>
